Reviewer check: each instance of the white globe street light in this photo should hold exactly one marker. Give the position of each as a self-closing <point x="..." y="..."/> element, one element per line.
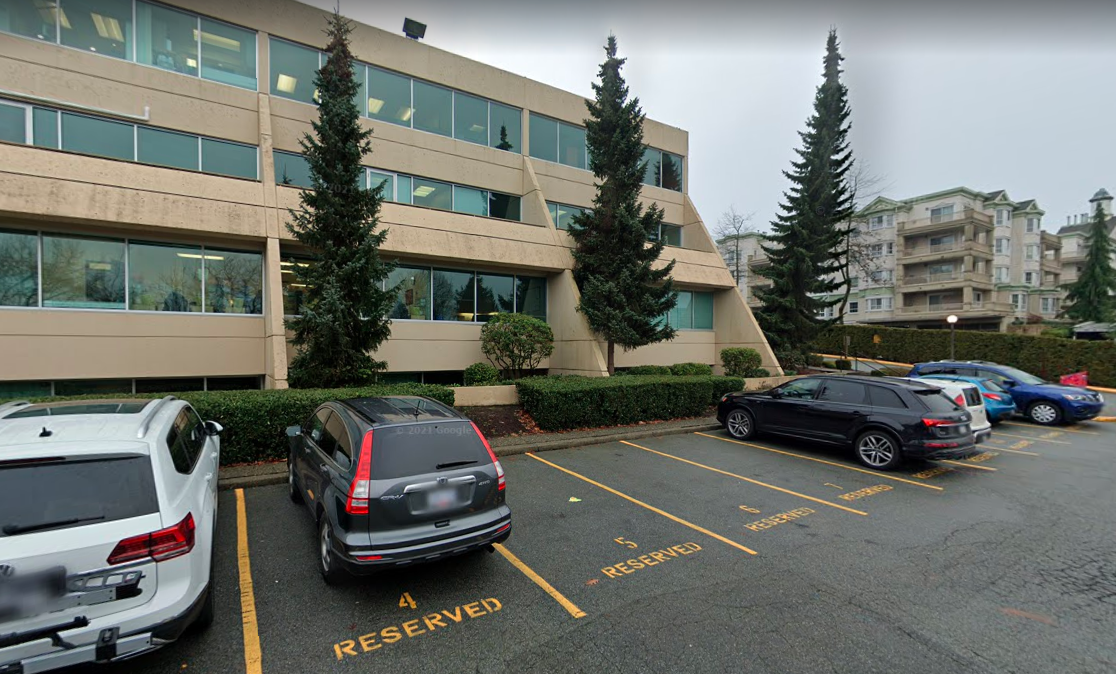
<point x="952" y="320"/>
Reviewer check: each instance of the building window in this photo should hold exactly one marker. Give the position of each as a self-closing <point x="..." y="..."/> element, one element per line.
<point x="693" y="311"/>
<point x="1003" y="216"/>
<point x="433" y="108"/>
<point x="412" y="298"/>
<point x="293" y="169"/>
<point x="854" y="282"/>
<point x="671" y="235"/>
<point x="233" y="282"/>
<point x="1029" y="278"/>
<point x="19" y="269"/>
<point x="505" y="127"/>
<point x="880" y="276"/>
<point x="879" y="303"/>
<point x="881" y="222"/>
<point x="530" y="296"/>
<point x="294" y="291"/>
<point x="941" y="213"/>
<point x="495" y="294"/>
<point x="978" y="298"/>
<point x="100" y="137"/>
<point x="389" y="97"/>
<point x="1002" y="274"/>
<point x="432" y="194"/>
<point x="456" y="295"/>
<point x="164" y="278"/>
<point x="231" y="159"/>
<point x="1019" y="301"/>
<point x="100" y="26"/>
<point x="663" y="169"/>
<point x="83" y="273"/>
<point x="13" y="122"/>
<point x="470" y="118"/>
<point x="1003" y="246"/>
<point x="1031" y="251"/>
<point x="167" y="148"/>
<point x="571" y="146"/>
<point x="881" y="249"/>
<point x="1050" y="305"/>
<point x="468" y="200"/>
<point x="1032" y="224"/>
<point x="562" y="215"/>
<point x="558" y="142"/>
<point x="854" y="307"/>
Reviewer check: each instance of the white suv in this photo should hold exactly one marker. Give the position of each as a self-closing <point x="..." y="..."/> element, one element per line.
<point x="968" y="396"/>
<point x="107" y="514"/>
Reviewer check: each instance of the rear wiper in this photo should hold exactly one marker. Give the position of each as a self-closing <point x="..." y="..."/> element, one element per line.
<point x="453" y="464"/>
<point x="13" y="529"/>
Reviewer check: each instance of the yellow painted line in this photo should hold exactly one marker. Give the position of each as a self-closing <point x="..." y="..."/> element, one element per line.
<point x="538" y="580"/>
<point x="1031" y="438"/>
<point x="644" y="505"/>
<point x="1103" y="419"/>
<point x="252" y="658"/>
<point x="873" y="473"/>
<point x="870" y="360"/>
<point x="1062" y="429"/>
<point x="967" y="465"/>
<point x="1101" y="388"/>
<point x="1016" y="451"/>
<point x="748" y="479"/>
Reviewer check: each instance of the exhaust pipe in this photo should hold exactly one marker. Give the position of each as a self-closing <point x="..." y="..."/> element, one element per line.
<point x="490" y="548"/>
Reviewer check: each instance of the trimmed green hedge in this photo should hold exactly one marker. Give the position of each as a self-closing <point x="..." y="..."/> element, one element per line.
<point x="648" y="369"/>
<point x="256" y="421"/>
<point x="587" y="402"/>
<point x="691" y="369"/>
<point x="1047" y="357"/>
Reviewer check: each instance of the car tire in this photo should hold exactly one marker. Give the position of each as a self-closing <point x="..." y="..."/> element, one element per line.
<point x="1044" y="413"/>
<point x="740" y="424"/>
<point x="878" y="449"/>
<point x="293" y="489"/>
<point x="327" y="561"/>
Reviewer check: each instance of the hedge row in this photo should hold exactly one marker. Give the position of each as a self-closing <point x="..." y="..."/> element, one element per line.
<point x="256" y="421"/>
<point x="564" y="403"/>
<point x="1047" y="357"/>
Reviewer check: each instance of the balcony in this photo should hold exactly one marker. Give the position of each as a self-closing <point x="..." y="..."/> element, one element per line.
<point x="1052" y="264"/>
<point x="943" y="280"/>
<point x="944" y="251"/>
<point x="945" y="222"/>
<point x="943" y="309"/>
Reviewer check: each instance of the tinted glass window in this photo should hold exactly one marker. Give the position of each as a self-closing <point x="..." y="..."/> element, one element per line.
<point x="164" y="278"/>
<point x="495" y="294"/>
<point x="530" y="296"/>
<point x="234" y="383"/>
<point x="936" y="401"/>
<point x="566" y="215"/>
<point x="318" y="434"/>
<point x="402" y="451"/>
<point x="376" y="179"/>
<point x="681" y="316"/>
<point x="100" y="137"/>
<point x="843" y="391"/>
<point x="703" y="311"/>
<point x="469" y="200"/>
<point x="507" y="122"/>
<point x="338" y="440"/>
<point x="101" y="26"/>
<point x="453" y="295"/>
<point x="800" y="388"/>
<point x="26" y="18"/>
<point x="185" y="440"/>
<point x="13" y="123"/>
<point x="81" y="387"/>
<point x="45" y="127"/>
<point x="292" y="70"/>
<point x="166" y="38"/>
<point x="170" y="385"/>
<point x="571" y="145"/>
<point x="292" y="169"/>
<point x="544" y="138"/>
<point x="433" y="109"/>
<point x="104" y="489"/>
<point x="885" y="397"/>
<point x="19" y="269"/>
<point x="470" y="118"/>
<point x="671" y="235"/>
<point x="83" y="273"/>
<point x="504" y="206"/>
<point x="413" y="292"/>
<point x="654" y="164"/>
<point x="233" y="282"/>
<point x="228" y="159"/>
<point x="672" y="172"/>
<point x="930" y="369"/>
<point x="389" y="97"/>
<point x="432" y="194"/>
<point x="228" y="54"/>
<point x="165" y="148"/>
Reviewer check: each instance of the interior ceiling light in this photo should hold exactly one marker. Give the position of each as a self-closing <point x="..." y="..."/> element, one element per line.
<point x="423" y="191"/>
<point x="405" y="114"/>
<point x="107" y="27"/>
<point x="286" y="84"/>
<point x="476" y="128"/>
<point x="374" y="105"/>
<point x="191" y="63"/>
<point x="218" y="41"/>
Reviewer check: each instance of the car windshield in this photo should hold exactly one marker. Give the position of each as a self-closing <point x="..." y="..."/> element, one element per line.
<point x="1021" y="376"/>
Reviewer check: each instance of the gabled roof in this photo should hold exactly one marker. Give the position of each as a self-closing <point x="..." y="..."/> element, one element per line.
<point x="997" y="196"/>
<point x="1028" y="206"/>
<point x="880" y="204"/>
<point x="1083" y="227"/>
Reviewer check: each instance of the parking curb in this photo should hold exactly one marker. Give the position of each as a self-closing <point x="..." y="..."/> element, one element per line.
<point x="277" y="473"/>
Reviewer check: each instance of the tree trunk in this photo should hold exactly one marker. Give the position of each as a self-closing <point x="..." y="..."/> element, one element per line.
<point x="611" y="358"/>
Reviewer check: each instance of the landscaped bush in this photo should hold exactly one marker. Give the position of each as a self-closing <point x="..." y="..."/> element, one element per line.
<point x="843" y="364"/>
<point x="758" y="372"/>
<point x="738" y="361"/>
<point x="814" y="360"/>
<point x="516" y="343"/>
<point x="1047" y="357"/>
<point x="256" y="421"/>
<point x="481" y="374"/>
<point x="649" y="369"/>
<point x="690" y="369"/>
<point x="567" y="403"/>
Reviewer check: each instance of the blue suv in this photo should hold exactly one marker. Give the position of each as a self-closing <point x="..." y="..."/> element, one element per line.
<point x="1040" y="401"/>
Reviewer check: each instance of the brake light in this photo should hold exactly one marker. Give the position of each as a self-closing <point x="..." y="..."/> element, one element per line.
<point x="500" y="482"/>
<point x="931" y="423"/>
<point x="960" y="400"/>
<point x="993" y="396"/>
<point x="158" y="545"/>
<point x="359" y="490"/>
<point x="368" y="558"/>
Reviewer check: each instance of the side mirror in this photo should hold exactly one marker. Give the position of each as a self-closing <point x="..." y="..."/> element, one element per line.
<point x="213" y="428"/>
<point x="1008" y="383"/>
<point x="775" y="393"/>
<point x="294" y="431"/>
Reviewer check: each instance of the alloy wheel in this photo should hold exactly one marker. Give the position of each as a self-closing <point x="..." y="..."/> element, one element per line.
<point x="1044" y="413"/>
<point x="739" y="424"/>
<point x="876" y="450"/>
<point x="324" y="541"/>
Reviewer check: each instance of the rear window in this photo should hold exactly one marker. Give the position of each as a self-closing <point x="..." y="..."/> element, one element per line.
<point x="937" y="401"/>
<point x="91" y="490"/>
<point x="884" y="397"/>
<point x="401" y="451"/>
<point x="64" y="409"/>
<point x="973" y="397"/>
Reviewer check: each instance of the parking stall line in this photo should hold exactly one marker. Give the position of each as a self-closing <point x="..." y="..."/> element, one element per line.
<point x="652" y="508"/>
<point x="873" y="473"/>
<point x="252" y="657"/>
<point x="748" y="479"/>
<point x="968" y="465"/>
<point x="1015" y="451"/>
<point x="540" y="581"/>
<point x="1065" y="429"/>
<point x="1033" y="438"/>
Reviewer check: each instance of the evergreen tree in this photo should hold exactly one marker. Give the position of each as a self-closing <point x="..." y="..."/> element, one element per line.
<point x="343" y="314"/>
<point x="622" y="296"/>
<point x="805" y="246"/>
<point x="1091" y="298"/>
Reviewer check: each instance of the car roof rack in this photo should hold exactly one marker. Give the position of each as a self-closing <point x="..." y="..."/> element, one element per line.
<point x="146" y="423"/>
<point x="7" y="407"/>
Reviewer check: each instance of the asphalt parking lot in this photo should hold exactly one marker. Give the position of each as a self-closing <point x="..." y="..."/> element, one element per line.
<point x="696" y="553"/>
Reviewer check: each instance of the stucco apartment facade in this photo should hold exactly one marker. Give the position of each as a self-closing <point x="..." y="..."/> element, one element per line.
<point x="981" y="256"/>
<point x="1075" y="234"/>
<point x="149" y="153"/>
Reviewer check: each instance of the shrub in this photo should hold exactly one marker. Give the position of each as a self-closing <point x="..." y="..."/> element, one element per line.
<point x="738" y="360"/>
<point x="757" y="373"/>
<point x="690" y="369"/>
<point x="481" y="374"/>
<point x="516" y="343"/>
<point x="843" y="364"/>
<point x="256" y="421"/>
<point x="791" y="361"/>
<point x="877" y="373"/>
<point x="1047" y="357"/>
<point x="567" y="403"/>
<point x="649" y="369"/>
<point x="814" y="360"/>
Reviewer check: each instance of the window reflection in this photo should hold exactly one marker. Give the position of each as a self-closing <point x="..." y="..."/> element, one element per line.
<point x="83" y="273"/>
<point x="412" y="298"/>
<point x="495" y="294"/>
<point x="166" y="38"/>
<point x="164" y="278"/>
<point x="100" y="26"/>
<point x="233" y="282"/>
<point x="19" y="269"/>
<point x="453" y="295"/>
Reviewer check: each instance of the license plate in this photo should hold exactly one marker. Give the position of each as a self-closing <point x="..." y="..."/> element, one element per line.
<point x="441" y="499"/>
<point x="31" y="594"/>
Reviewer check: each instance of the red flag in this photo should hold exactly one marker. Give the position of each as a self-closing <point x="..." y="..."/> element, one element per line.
<point x="1080" y="379"/>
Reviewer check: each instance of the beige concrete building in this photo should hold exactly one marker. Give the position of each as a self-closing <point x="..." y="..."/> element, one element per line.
<point x="978" y="255"/>
<point x="1074" y="235"/>
<point x="149" y="154"/>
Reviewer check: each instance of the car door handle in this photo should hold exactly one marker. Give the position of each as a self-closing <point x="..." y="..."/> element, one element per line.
<point x="322" y="467"/>
<point x="208" y="477"/>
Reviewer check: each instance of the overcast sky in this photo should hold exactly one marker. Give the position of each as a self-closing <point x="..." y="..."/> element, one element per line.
<point x="989" y="95"/>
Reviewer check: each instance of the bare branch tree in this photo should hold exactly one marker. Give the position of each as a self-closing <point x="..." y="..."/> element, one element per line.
<point x="864" y="186"/>
<point x="731" y="226"/>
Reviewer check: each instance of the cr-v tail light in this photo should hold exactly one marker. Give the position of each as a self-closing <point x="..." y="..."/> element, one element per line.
<point x="158" y="545"/>
<point x="360" y="489"/>
<point x="500" y="482"/>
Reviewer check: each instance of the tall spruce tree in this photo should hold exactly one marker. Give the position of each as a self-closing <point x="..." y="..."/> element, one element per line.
<point x="622" y="296"/>
<point x="805" y="246"/>
<point x="1090" y="297"/>
<point x="343" y="315"/>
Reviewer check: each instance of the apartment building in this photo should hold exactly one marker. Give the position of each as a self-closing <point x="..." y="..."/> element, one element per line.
<point x="981" y="256"/>
<point x="1074" y="235"/>
<point x="743" y="256"/>
<point x="149" y="153"/>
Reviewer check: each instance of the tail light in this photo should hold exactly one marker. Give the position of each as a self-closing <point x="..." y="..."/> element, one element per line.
<point x="931" y="423"/>
<point x="360" y="489"/>
<point x="960" y="400"/>
<point x="993" y="396"/>
<point x="500" y="482"/>
<point x="158" y="545"/>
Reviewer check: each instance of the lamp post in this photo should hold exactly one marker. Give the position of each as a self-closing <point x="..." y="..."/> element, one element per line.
<point x="952" y="320"/>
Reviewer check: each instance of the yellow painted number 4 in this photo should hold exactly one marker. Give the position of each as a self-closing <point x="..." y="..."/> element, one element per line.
<point x="406" y="601"/>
